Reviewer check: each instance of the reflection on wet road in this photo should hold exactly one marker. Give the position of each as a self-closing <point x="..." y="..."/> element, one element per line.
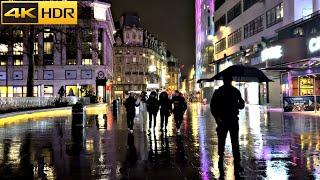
<point x="274" y="145"/>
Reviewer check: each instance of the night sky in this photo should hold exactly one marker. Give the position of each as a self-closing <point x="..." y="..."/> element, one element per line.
<point x="171" y="20"/>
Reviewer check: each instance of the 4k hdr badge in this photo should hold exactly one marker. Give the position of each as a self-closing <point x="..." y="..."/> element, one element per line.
<point x="39" y="12"/>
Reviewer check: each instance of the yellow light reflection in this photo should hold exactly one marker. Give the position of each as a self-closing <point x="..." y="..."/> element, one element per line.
<point x="18" y="119"/>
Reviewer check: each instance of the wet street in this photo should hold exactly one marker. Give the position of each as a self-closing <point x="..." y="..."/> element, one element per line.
<point x="274" y="145"/>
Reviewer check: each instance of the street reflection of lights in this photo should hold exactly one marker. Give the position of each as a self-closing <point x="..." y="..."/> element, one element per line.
<point x="15" y="151"/>
<point x="276" y="170"/>
<point x="89" y="146"/>
<point x="17" y="119"/>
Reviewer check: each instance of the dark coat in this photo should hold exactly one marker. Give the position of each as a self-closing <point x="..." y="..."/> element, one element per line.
<point x="226" y="102"/>
<point x="130" y="105"/>
<point x="152" y="105"/>
<point x="179" y="104"/>
<point x="166" y="105"/>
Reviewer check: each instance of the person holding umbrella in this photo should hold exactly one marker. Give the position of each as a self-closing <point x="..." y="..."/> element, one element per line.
<point x="225" y="105"/>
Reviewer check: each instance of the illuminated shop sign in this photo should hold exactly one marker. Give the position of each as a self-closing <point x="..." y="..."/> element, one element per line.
<point x="274" y="52"/>
<point x="314" y="44"/>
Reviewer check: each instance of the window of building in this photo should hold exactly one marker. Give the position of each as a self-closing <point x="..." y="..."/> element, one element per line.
<point x="253" y="27"/>
<point x="274" y="15"/>
<point x="47" y="35"/>
<point x="18" y="48"/>
<point x="3" y="60"/>
<point x="248" y="3"/>
<point x="17" y="75"/>
<point x="234" y="12"/>
<point x="220" y="46"/>
<point x="18" y="33"/>
<point x="3" y="49"/>
<point x="218" y="4"/>
<point x="86" y="74"/>
<point x="71" y="74"/>
<point x="17" y="61"/>
<point x="36" y="49"/>
<point x="48" y="75"/>
<point x="86" y="48"/>
<point x="134" y="59"/>
<point x="86" y="61"/>
<point x="17" y="91"/>
<point x="48" y="91"/>
<point x="234" y="38"/>
<point x="220" y="22"/>
<point x="47" y="47"/>
<point x="71" y="61"/>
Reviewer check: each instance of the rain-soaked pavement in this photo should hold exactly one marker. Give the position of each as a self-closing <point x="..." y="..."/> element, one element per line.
<point x="274" y="145"/>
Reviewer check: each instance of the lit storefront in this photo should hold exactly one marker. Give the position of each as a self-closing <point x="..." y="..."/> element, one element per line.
<point x="300" y="79"/>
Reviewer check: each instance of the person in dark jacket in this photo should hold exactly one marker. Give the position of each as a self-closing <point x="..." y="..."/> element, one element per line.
<point x="225" y="105"/>
<point x="130" y="104"/>
<point x="152" y="108"/>
<point x="179" y="107"/>
<point x="165" y="109"/>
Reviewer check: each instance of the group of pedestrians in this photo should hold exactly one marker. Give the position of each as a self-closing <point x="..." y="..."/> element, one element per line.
<point x="176" y="105"/>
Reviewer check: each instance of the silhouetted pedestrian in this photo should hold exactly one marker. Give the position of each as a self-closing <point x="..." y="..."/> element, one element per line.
<point x="131" y="103"/>
<point x="225" y="105"/>
<point x="179" y="107"/>
<point x="153" y="108"/>
<point x="165" y="109"/>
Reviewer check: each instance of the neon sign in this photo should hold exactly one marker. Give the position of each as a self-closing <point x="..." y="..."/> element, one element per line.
<point x="274" y="52"/>
<point x="314" y="44"/>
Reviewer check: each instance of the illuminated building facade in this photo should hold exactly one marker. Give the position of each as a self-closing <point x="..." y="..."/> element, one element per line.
<point x="140" y="59"/>
<point x="245" y="28"/>
<point x="204" y="22"/>
<point x="74" y="57"/>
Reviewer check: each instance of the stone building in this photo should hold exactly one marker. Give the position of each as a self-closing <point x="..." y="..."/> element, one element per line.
<point x="77" y="57"/>
<point x="140" y="59"/>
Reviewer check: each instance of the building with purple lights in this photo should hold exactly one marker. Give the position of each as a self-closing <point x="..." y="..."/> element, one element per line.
<point x="246" y="32"/>
<point x="204" y="45"/>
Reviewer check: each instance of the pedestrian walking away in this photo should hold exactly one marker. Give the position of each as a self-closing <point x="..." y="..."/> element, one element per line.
<point x="225" y="105"/>
<point x="165" y="109"/>
<point x="179" y="107"/>
<point x="130" y="104"/>
<point x="152" y="108"/>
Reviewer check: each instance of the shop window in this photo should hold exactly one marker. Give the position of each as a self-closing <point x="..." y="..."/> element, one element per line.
<point x="234" y="38"/>
<point x="274" y="15"/>
<point x="71" y="90"/>
<point x="17" y="91"/>
<point x="18" y="33"/>
<point x="218" y="4"/>
<point x="87" y="48"/>
<point x="48" y="91"/>
<point x="86" y="61"/>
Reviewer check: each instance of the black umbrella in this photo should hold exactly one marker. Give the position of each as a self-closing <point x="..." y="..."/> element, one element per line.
<point x="240" y="73"/>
